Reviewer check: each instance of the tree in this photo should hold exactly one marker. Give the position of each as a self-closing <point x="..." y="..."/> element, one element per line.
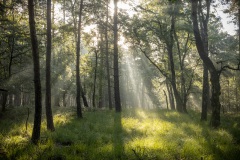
<point x="107" y="60"/>
<point x="49" y="117"/>
<point x="160" y="33"/>
<point x="78" y="98"/>
<point x="214" y="73"/>
<point x="116" y="71"/>
<point x="95" y="78"/>
<point x="36" y="68"/>
<point x="204" y="35"/>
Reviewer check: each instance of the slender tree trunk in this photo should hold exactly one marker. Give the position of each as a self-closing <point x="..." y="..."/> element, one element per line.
<point x="94" y="81"/>
<point x="116" y="71"/>
<point x="166" y="99"/>
<point x="204" y="35"/>
<point x="205" y="94"/>
<point x="171" y="98"/>
<point x="179" y="103"/>
<point x="64" y="98"/>
<point x="83" y="94"/>
<point x="37" y="82"/>
<point x="78" y="98"/>
<point x="100" y="100"/>
<point x="11" y="43"/>
<point x="4" y="100"/>
<point x="48" y="103"/>
<point x="181" y="62"/>
<point x="107" y="62"/>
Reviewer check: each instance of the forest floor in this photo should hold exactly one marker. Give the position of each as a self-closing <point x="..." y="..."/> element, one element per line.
<point x="133" y="134"/>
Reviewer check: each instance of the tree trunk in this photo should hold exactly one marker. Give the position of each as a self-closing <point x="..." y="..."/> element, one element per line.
<point x="101" y="73"/>
<point x="107" y="62"/>
<point x="171" y="98"/>
<point x="215" y="102"/>
<point x="4" y="100"/>
<point x="205" y="94"/>
<point x="204" y="35"/>
<point x="64" y="93"/>
<point x="49" y="117"/>
<point x="83" y="94"/>
<point x="116" y="71"/>
<point x="166" y="99"/>
<point x="179" y="103"/>
<point x="78" y="98"/>
<point x="94" y="81"/>
<point x="215" y="75"/>
<point x="37" y="82"/>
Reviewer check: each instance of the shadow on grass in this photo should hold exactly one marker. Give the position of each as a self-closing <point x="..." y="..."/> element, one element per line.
<point x="118" y="145"/>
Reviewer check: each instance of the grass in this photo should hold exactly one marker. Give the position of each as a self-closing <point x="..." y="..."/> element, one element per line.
<point x="132" y="134"/>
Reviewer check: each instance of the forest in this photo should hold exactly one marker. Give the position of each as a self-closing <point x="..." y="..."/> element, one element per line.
<point x="118" y="79"/>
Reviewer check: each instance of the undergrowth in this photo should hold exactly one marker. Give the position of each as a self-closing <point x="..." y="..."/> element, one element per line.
<point x="133" y="134"/>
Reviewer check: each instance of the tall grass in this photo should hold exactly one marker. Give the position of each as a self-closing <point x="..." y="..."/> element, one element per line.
<point x="132" y="134"/>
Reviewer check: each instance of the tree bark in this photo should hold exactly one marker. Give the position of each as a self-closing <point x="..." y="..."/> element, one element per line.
<point x="116" y="71"/>
<point x="78" y="98"/>
<point x="48" y="103"/>
<point x="37" y="83"/>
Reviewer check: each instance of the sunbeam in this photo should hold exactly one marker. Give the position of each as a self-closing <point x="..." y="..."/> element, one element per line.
<point x="134" y="87"/>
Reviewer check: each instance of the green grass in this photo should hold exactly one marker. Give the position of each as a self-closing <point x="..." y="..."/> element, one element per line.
<point x="132" y="134"/>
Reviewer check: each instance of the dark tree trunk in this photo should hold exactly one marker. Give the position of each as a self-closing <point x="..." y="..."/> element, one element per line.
<point x="94" y="81"/>
<point x="100" y="101"/>
<point x="57" y="100"/>
<point x="204" y="35"/>
<point x="179" y="103"/>
<point x="171" y="98"/>
<point x="64" y="98"/>
<point x="37" y="82"/>
<point x="183" y="94"/>
<point x="83" y="94"/>
<point x="205" y="94"/>
<point x="166" y="99"/>
<point x="48" y="103"/>
<point x="116" y="71"/>
<point x="78" y="98"/>
<point x="107" y="62"/>
<point x="215" y="103"/>
<point x="4" y="99"/>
